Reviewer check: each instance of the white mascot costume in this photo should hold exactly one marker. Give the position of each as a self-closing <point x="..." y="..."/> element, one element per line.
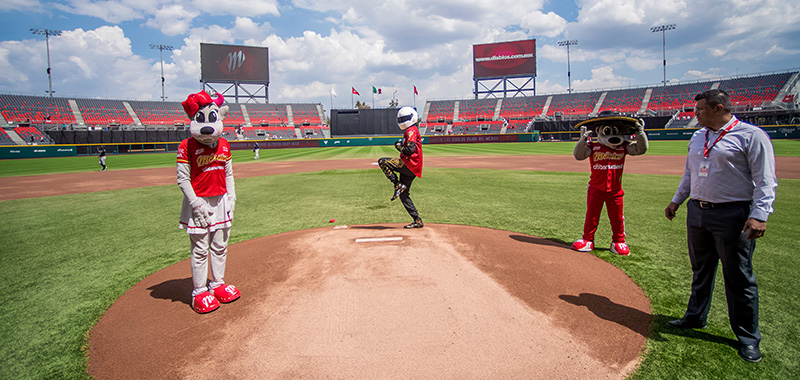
<point x="205" y="176"/>
<point x="607" y="160"/>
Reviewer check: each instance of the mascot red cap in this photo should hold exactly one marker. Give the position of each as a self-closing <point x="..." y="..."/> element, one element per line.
<point x="194" y="102"/>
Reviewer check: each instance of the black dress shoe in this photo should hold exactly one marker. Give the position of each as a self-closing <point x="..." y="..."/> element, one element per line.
<point x="750" y="353"/>
<point x="684" y="324"/>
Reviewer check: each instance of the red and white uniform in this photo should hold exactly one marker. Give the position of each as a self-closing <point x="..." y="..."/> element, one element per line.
<point x="605" y="187"/>
<point x="414" y="160"/>
<point x="207" y="168"/>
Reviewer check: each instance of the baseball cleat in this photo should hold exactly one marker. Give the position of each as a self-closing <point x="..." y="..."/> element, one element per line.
<point x="620" y="249"/>
<point x="226" y="293"/>
<point x="399" y="190"/>
<point x="204" y="302"/>
<point x="417" y="224"/>
<point x="583" y="245"/>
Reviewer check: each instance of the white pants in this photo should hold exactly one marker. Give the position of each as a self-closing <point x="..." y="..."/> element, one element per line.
<point x="215" y="243"/>
<point x="256" y="157"/>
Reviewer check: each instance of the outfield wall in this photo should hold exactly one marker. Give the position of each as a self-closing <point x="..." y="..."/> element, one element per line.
<point x="41" y="151"/>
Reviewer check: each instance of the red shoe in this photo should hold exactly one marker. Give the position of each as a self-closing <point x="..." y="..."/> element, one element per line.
<point x="620" y="249"/>
<point x="226" y="293"/>
<point x="583" y="245"/>
<point x="204" y="303"/>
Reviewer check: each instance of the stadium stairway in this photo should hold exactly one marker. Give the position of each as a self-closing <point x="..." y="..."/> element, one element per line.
<point x="76" y="112"/>
<point x="131" y="112"/>
<point x="14" y="136"/>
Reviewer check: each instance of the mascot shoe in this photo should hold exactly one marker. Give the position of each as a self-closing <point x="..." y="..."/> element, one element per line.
<point x="620" y="249"/>
<point x="226" y="293"/>
<point x="204" y="302"/>
<point x="583" y="246"/>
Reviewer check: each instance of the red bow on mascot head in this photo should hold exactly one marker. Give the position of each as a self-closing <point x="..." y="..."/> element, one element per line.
<point x="206" y="114"/>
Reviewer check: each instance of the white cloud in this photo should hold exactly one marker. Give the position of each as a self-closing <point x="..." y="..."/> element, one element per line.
<point x="21" y="5"/>
<point x="602" y="77"/>
<point x="250" y="8"/>
<point x="109" y="11"/>
<point x="549" y="24"/>
<point x="172" y="20"/>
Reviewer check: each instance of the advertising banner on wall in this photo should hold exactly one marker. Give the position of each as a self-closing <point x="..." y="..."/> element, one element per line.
<point x="504" y="59"/>
<point x="234" y="63"/>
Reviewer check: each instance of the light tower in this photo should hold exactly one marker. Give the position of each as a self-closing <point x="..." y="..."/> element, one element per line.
<point x="161" y="49"/>
<point x="47" y="33"/>
<point x="567" y="43"/>
<point x="663" y="29"/>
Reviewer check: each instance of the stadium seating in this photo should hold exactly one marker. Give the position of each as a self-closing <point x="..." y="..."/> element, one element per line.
<point x="441" y="111"/>
<point x="627" y="101"/>
<point x="36" y="109"/>
<point x="5" y="139"/>
<point x="754" y="91"/>
<point x="103" y="112"/>
<point x="573" y="104"/>
<point x="234" y="116"/>
<point x="305" y="114"/>
<point x="676" y="97"/>
<point x="477" y="127"/>
<point x="271" y="114"/>
<point x="476" y="109"/>
<point x="32" y="134"/>
<point x="525" y="108"/>
<point x="160" y="113"/>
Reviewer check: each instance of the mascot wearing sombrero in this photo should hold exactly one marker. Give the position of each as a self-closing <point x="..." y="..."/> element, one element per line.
<point x="607" y="160"/>
<point x="205" y="176"/>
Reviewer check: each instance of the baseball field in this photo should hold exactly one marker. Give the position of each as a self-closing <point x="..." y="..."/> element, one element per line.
<point x="74" y="240"/>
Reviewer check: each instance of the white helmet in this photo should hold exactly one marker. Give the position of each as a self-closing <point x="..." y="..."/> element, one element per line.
<point x="406" y="117"/>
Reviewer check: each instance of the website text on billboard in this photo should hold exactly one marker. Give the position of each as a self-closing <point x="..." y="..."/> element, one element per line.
<point x="233" y="63"/>
<point x="514" y="58"/>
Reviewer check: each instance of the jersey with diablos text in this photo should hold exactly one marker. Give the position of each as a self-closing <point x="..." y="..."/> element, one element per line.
<point x="414" y="160"/>
<point x="206" y="165"/>
<point x="607" y="165"/>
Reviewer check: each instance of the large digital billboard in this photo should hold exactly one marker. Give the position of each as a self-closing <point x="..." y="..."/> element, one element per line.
<point x="233" y="63"/>
<point x="504" y="59"/>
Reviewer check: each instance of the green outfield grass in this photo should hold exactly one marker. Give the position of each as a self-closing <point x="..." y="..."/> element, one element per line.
<point x="19" y="167"/>
<point x="67" y="258"/>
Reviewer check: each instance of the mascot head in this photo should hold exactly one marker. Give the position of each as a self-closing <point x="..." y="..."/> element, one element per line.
<point x="206" y="115"/>
<point x="612" y="128"/>
<point x="407" y="117"/>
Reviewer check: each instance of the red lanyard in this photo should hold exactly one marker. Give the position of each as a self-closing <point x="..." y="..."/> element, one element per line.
<point x="707" y="149"/>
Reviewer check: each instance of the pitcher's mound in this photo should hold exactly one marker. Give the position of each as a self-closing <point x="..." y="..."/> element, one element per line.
<point x="378" y="302"/>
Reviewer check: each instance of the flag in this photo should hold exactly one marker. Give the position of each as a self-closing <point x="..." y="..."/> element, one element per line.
<point x="376" y="90"/>
<point x="415" y="91"/>
<point x="354" y="91"/>
<point x="333" y="92"/>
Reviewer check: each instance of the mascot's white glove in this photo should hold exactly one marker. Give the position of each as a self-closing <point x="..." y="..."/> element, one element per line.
<point x="232" y="202"/>
<point x="201" y="212"/>
<point x="585" y="133"/>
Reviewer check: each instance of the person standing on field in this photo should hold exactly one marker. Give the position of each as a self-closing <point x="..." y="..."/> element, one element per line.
<point x="102" y="156"/>
<point x="730" y="182"/>
<point x="409" y="165"/>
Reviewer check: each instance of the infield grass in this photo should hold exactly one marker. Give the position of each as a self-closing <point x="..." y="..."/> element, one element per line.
<point x="67" y="258"/>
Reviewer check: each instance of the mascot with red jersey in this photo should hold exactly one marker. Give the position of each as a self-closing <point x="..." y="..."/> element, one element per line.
<point x="607" y="160"/>
<point x="205" y="176"/>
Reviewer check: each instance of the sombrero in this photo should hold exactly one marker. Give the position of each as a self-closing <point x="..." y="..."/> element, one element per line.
<point x="625" y="125"/>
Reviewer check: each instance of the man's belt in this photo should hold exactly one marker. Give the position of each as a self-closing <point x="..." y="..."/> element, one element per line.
<point x="708" y="205"/>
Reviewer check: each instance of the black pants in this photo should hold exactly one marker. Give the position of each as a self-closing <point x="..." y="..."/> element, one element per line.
<point x="406" y="177"/>
<point x="715" y="236"/>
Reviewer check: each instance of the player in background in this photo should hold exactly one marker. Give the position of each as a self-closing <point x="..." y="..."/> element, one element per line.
<point x="102" y="156"/>
<point x="409" y="165"/>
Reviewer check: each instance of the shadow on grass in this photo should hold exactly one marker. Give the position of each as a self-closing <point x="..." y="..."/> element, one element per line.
<point x="174" y="290"/>
<point x="660" y="328"/>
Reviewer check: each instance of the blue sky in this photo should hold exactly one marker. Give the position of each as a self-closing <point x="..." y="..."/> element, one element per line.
<point x="316" y="45"/>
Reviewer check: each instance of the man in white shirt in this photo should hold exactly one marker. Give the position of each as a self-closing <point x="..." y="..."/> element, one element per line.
<point x="730" y="181"/>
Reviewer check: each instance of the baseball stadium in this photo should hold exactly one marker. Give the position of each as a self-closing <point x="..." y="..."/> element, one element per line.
<point x="97" y="273"/>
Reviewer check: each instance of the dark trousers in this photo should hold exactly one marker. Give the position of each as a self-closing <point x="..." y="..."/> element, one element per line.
<point x="406" y="177"/>
<point x="715" y="236"/>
